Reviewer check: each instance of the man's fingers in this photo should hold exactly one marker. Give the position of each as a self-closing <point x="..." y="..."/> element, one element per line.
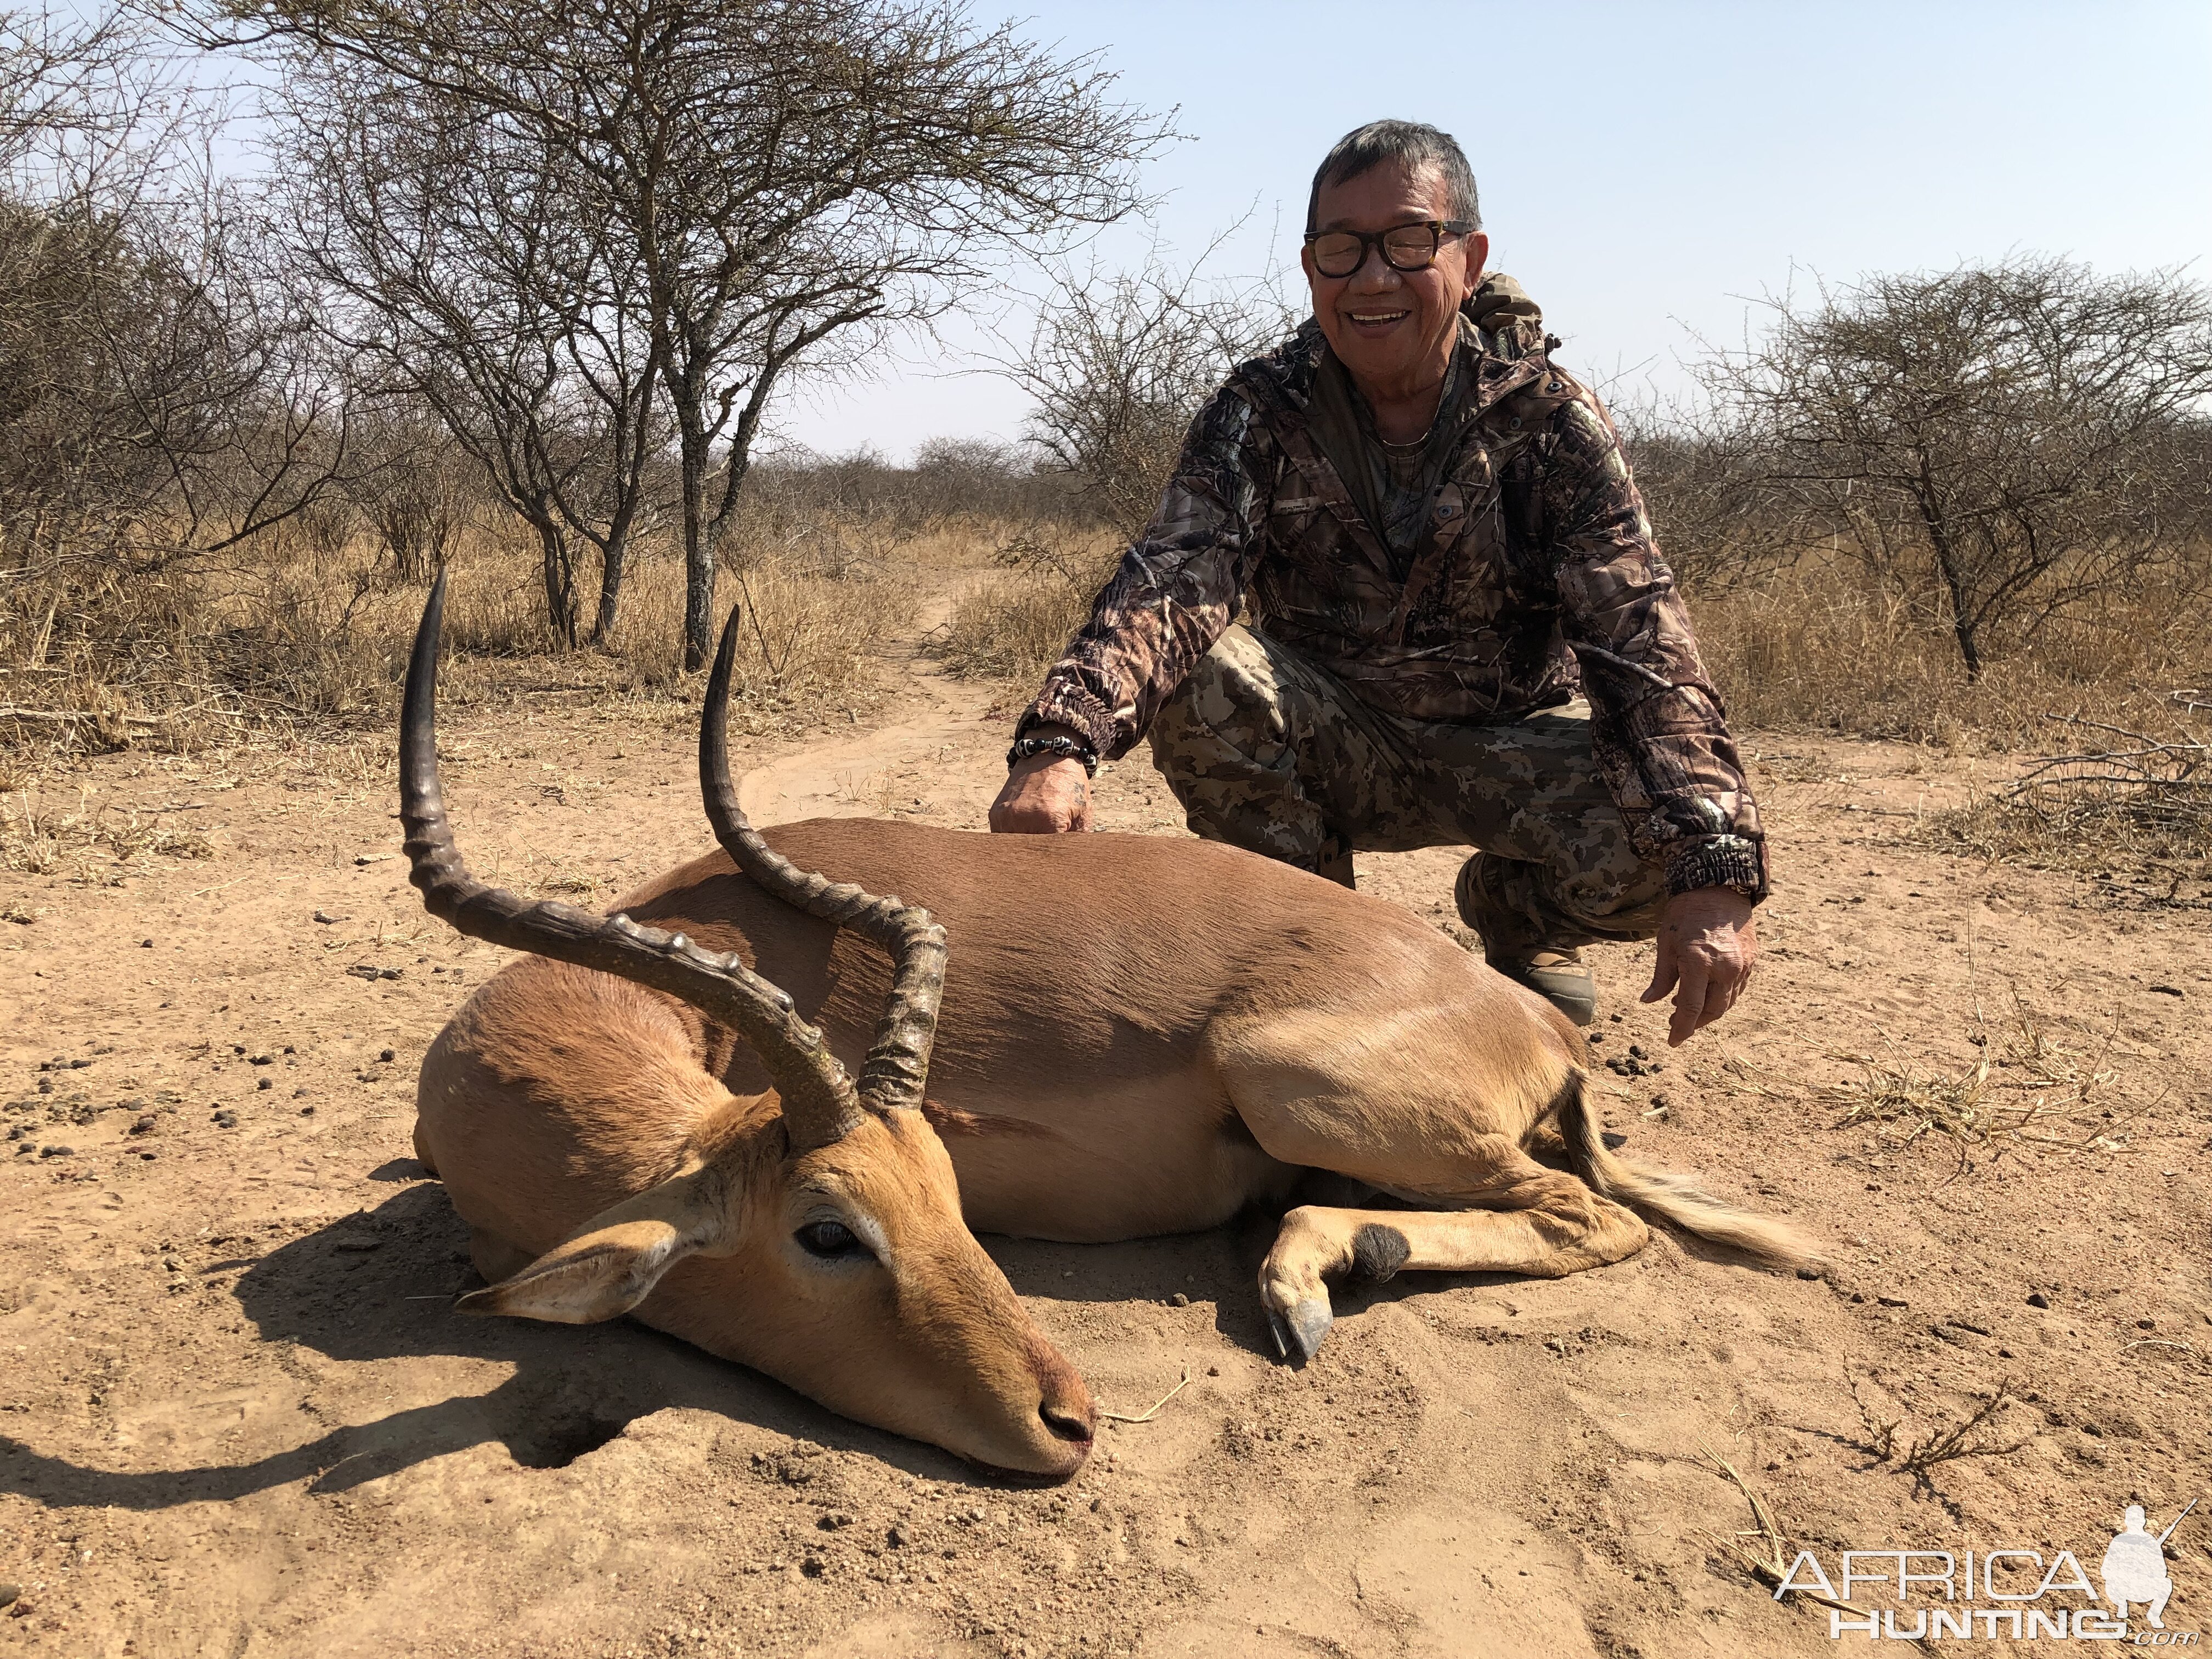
<point x="1662" y="970"/>
<point x="1720" y="997"/>
<point x="1722" y="989"/>
<point x="1689" y="999"/>
<point x="1043" y="800"/>
<point x="1707" y="944"/>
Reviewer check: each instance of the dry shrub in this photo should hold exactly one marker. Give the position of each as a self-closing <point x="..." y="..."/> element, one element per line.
<point x="1014" y="626"/>
<point x="2131" y="809"/>
<point x="1975" y="1435"/>
<point x="1821" y="648"/>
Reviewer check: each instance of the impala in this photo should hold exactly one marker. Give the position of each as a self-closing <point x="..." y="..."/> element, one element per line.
<point x="655" y="1112"/>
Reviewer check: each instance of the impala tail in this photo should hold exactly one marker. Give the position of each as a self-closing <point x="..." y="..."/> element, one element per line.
<point x="1659" y="1196"/>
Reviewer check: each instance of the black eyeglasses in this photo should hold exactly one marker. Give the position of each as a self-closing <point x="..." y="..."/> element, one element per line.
<point x="1405" y="247"/>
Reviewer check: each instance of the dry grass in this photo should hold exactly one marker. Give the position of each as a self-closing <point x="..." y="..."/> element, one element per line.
<point x="961" y="543"/>
<point x="304" y="634"/>
<point x="1763" y="1549"/>
<point x="1016" y="626"/>
<point x="307" y="633"/>
<point x="2023" y="1082"/>
<point x="808" y="634"/>
<point x="1913" y="1101"/>
<point x="39" y="838"/>
<point x="1819" y="650"/>
<point x="1012" y="629"/>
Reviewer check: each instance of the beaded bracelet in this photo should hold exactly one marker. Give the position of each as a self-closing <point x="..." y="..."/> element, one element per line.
<point x="1067" y="748"/>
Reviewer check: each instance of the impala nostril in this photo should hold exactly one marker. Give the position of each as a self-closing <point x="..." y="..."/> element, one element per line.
<point x="1065" y="1424"/>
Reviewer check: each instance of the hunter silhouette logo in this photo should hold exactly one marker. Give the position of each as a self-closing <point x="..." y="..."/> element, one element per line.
<point x="2134" y="1566"/>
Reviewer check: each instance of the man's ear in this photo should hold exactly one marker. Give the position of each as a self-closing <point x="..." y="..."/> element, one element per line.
<point x="612" y="1263"/>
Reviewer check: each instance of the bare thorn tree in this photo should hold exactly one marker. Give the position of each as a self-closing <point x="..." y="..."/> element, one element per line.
<point x="160" y="396"/>
<point x="785" y="177"/>
<point x="1997" y="442"/>
<point x="1119" y="366"/>
<point x="474" y="270"/>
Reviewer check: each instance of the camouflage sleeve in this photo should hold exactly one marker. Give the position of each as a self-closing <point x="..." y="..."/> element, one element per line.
<point x="1660" y="731"/>
<point x="1172" y="595"/>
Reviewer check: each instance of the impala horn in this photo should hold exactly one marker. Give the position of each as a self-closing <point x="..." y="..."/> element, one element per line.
<point x="898" y="1067"/>
<point x="820" y="1104"/>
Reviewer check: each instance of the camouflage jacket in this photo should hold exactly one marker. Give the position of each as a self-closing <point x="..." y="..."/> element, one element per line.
<point x="1537" y="576"/>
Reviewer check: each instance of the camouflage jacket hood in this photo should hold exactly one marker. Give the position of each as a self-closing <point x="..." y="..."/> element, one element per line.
<point x="1535" y="575"/>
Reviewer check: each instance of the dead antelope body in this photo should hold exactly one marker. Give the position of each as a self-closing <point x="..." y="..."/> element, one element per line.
<point x="654" y="1111"/>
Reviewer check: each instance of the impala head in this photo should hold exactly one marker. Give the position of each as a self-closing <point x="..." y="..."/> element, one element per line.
<point x="826" y="1215"/>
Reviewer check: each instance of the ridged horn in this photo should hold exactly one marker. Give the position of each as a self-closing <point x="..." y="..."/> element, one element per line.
<point x="820" y="1104"/>
<point x="898" y="1067"/>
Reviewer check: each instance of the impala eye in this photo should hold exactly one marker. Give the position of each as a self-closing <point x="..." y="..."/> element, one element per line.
<point x="831" y="1241"/>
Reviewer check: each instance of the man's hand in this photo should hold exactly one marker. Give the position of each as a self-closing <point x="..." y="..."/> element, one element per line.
<point x="1045" y="795"/>
<point x="1707" y="944"/>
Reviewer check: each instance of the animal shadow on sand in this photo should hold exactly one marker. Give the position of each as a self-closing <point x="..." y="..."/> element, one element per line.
<point x="378" y="1284"/>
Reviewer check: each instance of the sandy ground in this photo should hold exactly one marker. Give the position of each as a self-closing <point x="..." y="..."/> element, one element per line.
<point x="237" y="1418"/>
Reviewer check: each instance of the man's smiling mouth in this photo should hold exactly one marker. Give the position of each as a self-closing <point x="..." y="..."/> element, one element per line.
<point x="1377" y="316"/>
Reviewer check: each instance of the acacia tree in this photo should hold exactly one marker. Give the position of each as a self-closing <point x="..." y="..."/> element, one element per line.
<point x="470" y="267"/>
<point x="1997" y="442"/>
<point x="788" y="178"/>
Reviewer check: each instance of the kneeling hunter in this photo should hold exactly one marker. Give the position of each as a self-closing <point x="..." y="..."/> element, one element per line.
<point x="1462" y="632"/>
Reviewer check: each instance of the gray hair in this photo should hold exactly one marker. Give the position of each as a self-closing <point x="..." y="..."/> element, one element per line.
<point x="1408" y="144"/>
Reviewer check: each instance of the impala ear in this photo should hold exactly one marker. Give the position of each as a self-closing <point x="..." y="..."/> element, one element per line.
<point x="612" y="1263"/>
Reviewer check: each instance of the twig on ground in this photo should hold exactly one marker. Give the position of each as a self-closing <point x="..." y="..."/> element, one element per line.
<point x="1973" y="1435"/>
<point x="62" y="716"/>
<point x="1882" y="1431"/>
<point x="2117" y="809"/>
<point x="1150" y="1412"/>
<point x="1768" y="1555"/>
<point x="1969" y="1438"/>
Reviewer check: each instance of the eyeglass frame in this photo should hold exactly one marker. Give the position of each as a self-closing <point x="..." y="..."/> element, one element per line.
<point x="1437" y="229"/>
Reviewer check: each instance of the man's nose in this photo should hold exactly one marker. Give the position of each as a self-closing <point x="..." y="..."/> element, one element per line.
<point x="1375" y="274"/>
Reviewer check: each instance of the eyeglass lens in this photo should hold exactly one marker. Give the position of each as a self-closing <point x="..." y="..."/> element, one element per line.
<point x="1407" y="248"/>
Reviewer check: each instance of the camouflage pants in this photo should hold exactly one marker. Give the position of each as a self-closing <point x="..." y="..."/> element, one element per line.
<point x="1267" y="752"/>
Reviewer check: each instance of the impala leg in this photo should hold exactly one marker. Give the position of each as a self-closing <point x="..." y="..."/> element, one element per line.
<point x="494" y="1258"/>
<point x="1538" y="1222"/>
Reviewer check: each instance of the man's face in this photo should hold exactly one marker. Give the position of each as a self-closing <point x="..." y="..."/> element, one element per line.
<point x="1393" y="328"/>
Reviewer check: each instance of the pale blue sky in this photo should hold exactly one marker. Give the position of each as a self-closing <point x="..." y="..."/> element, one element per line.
<point x="1643" y="166"/>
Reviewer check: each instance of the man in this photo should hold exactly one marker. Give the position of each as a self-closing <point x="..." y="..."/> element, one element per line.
<point x="1441" y="545"/>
